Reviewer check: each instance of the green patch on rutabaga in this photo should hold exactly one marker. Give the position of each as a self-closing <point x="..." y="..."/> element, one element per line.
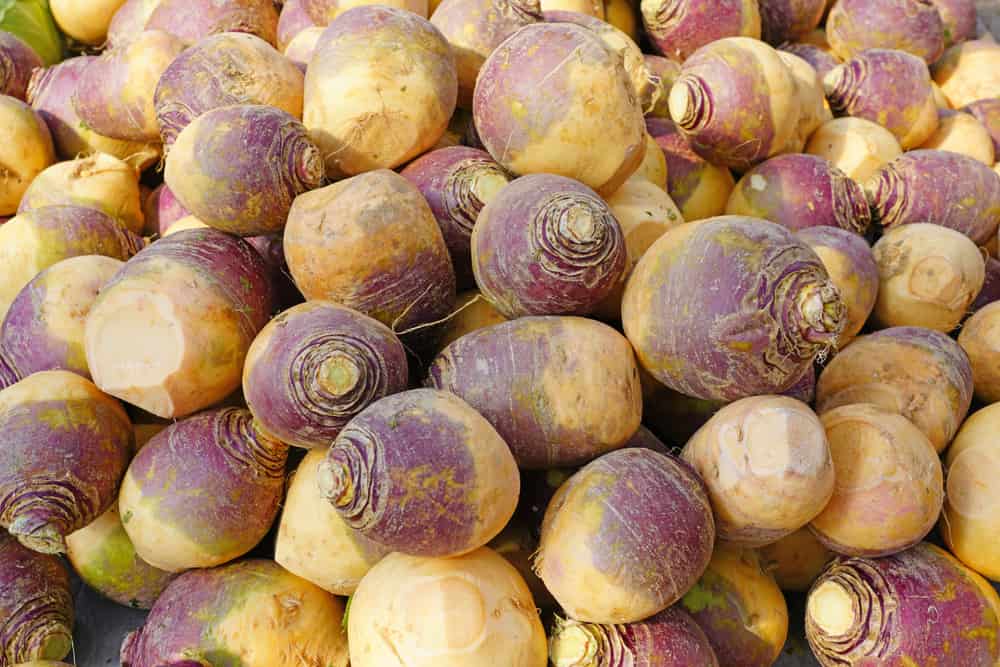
<point x="700" y="598"/>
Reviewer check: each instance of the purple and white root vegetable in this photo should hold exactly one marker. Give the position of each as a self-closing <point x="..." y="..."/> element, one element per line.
<point x="323" y="12"/>
<point x="194" y="20"/>
<point x="959" y="20"/>
<point x="788" y="20"/>
<point x="913" y="26"/>
<point x="856" y="146"/>
<point x="17" y="60"/>
<point x="25" y="153"/>
<point x="822" y="60"/>
<point x="664" y="71"/>
<point x="300" y="50"/>
<point x="813" y="107"/>
<point x="292" y="20"/>
<point x="987" y="112"/>
<point x="161" y="209"/>
<point x="271" y="247"/>
<point x="678" y="28"/>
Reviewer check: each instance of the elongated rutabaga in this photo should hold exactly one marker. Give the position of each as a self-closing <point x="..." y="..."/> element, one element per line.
<point x="913" y="26"/>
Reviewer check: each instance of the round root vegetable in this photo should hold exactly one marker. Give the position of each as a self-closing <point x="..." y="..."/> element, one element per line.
<point x="796" y="560"/>
<point x="928" y="276"/>
<point x="423" y="473"/>
<point x="252" y="613"/>
<point x="889" y="483"/>
<point x="43" y="329"/>
<point x="959" y="20"/>
<point x="913" y="26"/>
<point x="730" y="307"/>
<point x="852" y="269"/>
<point x="785" y="20"/>
<point x="194" y="20"/>
<point x="317" y="365"/>
<point x="547" y="245"/>
<point x="26" y="151"/>
<point x="968" y="72"/>
<point x="185" y="501"/>
<point x="323" y="12"/>
<point x="17" y="60"/>
<point x="699" y="188"/>
<point x="292" y="20"/>
<point x="594" y="134"/>
<point x="393" y="120"/>
<point x="812" y="101"/>
<point x="371" y="243"/>
<point x="35" y="604"/>
<point x="856" y="146"/>
<point x="678" y="28"/>
<point x="530" y="364"/>
<point x="66" y="446"/>
<point x="960" y="132"/>
<point x="939" y="187"/>
<point x="314" y="542"/>
<point x="916" y="607"/>
<point x="668" y="639"/>
<point x="37" y="239"/>
<point x="472" y="312"/>
<point x="161" y="210"/>
<point x="103" y="556"/>
<point x="991" y="285"/>
<point x="86" y="21"/>
<point x="987" y="112"/>
<point x="632" y="506"/>
<point x="979" y="338"/>
<point x="170" y="332"/>
<point x="100" y="181"/>
<point x="736" y="102"/>
<point x="474" y="29"/>
<point x="300" y="50"/>
<point x="767" y="465"/>
<point x="445" y="612"/>
<point x="821" y="60"/>
<point x="664" y="72"/>
<point x="457" y="182"/>
<point x="238" y="168"/>
<point x="891" y="88"/>
<point x="114" y="96"/>
<point x="740" y="608"/>
<point x="800" y="191"/>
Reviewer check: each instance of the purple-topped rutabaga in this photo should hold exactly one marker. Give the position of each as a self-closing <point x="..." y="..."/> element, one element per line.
<point x="547" y="245"/>
<point x="457" y="182"/>
<point x="516" y="374"/>
<point x="800" y="191"/>
<point x="170" y="332"/>
<point x="889" y="87"/>
<point x="17" y="60"/>
<point x="822" y="61"/>
<point x="594" y="133"/>
<point x="239" y="168"/>
<point x="292" y="20"/>
<point x="35" y="605"/>
<point x="194" y="20"/>
<point x="633" y="506"/>
<point x="787" y="20"/>
<point x="959" y="20"/>
<point x="203" y="491"/>
<point x="129" y="21"/>
<point x="987" y="112"/>
<point x="66" y="446"/>
<point x="317" y="365"/>
<point x="251" y="613"/>
<point x="678" y="28"/>
<point x="913" y="26"/>
<point x="814" y="110"/>
<point x="162" y="209"/>
<point x="939" y="187"/>
<point x="323" y="12"/>
<point x="730" y="307"/>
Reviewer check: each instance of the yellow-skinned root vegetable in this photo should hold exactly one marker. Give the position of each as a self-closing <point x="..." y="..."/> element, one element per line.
<point x="472" y="312"/>
<point x="980" y="338"/>
<point x="35" y="604"/>
<point x="812" y="101"/>
<point x="595" y="134"/>
<point x="445" y="612"/>
<point x="888" y="87"/>
<point x="333" y="235"/>
<point x="530" y="362"/>
<point x="114" y="96"/>
<point x="314" y="542"/>
<point x="26" y="152"/>
<point x="938" y="187"/>
<point x="787" y="20"/>
<point x="653" y="167"/>
<point x="961" y="132"/>
<point x="624" y="15"/>
<point x="849" y="262"/>
<point x="231" y="68"/>
<point x="822" y="60"/>
<point x="292" y="20"/>
<point x="253" y="613"/>
<point x="103" y="556"/>
<point x="100" y="181"/>
<point x="914" y="608"/>
<point x="301" y="49"/>
<point x="968" y="72"/>
<point x="35" y="240"/>
<point x="171" y="350"/>
<point x="17" y="61"/>
<point x="959" y="19"/>
<point x="194" y="20"/>
<point x="736" y="102"/>
<point x="43" y="328"/>
<point x="767" y="466"/>
<point x="700" y="189"/>
<point x="668" y="639"/>
<point x="323" y="12"/>
<point x="913" y="26"/>
<point x="86" y="21"/>
<point x="740" y="608"/>
<point x="928" y="276"/>
<point x="702" y="327"/>
<point x="796" y="560"/>
<point x="678" y="28"/>
<point x="890" y="485"/>
<point x="66" y="446"/>
<point x="174" y="526"/>
<point x="359" y="126"/>
<point x="664" y="71"/>
<point x="633" y="506"/>
<point x="856" y="146"/>
<point x="970" y="519"/>
<point x="987" y="112"/>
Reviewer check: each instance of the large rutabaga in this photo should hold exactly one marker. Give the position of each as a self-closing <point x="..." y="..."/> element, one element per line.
<point x="913" y="26"/>
<point x="730" y="307"/>
<point x="678" y="28"/>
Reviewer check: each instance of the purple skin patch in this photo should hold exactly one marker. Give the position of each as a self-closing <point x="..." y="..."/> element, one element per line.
<point x="292" y="20"/>
<point x="8" y="374"/>
<point x="940" y="187"/>
<point x="913" y="26"/>
<point x="80" y="230"/>
<point x="987" y="112"/>
<point x="272" y="249"/>
<point x="785" y="20"/>
<point x="821" y="61"/>
<point x="164" y="209"/>
<point x="678" y="28"/>
<point x="193" y="20"/>
<point x="991" y="286"/>
<point x="805" y="389"/>
<point x="17" y="60"/>
<point x="959" y="19"/>
<point x="684" y="167"/>
<point x="50" y="93"/>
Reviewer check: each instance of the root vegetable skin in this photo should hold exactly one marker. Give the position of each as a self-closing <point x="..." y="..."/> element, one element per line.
<point x="323" y="12"/>
<point x="814" y="108"/>
<point x="913" y="26"/>
<point x="821" y="60"/>
<point x="292" y="20"/>
<point x="664" y="72"/>
<point x="129" y="21"/>
<point x="300" y="50"/>
<point x="193" y="20"/>
<point x="17" y="60"/>
<point x="978" y="338"/>
<point x="652" y="169"/>
<point x="472" y="312"/>
<point x="987" y="112"/>
<point x="631" y="505"/>
<point x="856" y="146"/>
<point x="991" y="285"/>
<point x="968" y="72"/>
<point x="959" y="20"/>
<point x="25" y="154"/>
<point x="86" y="21"/>
<point x="238" y="602"/>
<point x="784" y="20"/>
<point x="848" y="618"/>
<point x="678" y="28"/>
<point x="796" y="560"/>
<point x="962" y="133"/>
<point x="162" y="209"/>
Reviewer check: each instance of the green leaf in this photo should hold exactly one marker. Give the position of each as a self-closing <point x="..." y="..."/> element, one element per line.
<point x="32" y="21"/>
